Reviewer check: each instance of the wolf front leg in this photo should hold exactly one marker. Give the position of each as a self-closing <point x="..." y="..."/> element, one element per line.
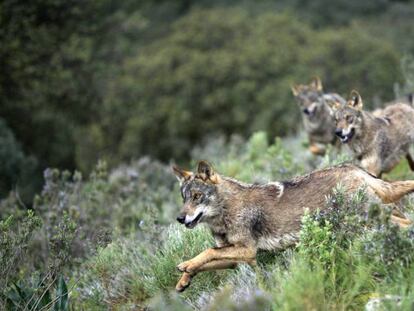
<point x="186" y="277"/>
<point x="317" y="149"/>
<point x="231" y="253"/>
<point x="410" y="161"/>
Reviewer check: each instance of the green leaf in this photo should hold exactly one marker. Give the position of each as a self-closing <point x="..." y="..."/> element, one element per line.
<point x="61" y="295"/>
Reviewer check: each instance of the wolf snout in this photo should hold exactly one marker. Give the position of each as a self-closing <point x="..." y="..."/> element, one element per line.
<point x="181" y="219"/>
<point x="338" y="132"/>
<point x="306" y="111"/>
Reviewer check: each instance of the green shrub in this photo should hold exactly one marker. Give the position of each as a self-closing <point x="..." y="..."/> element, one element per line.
<point x="317" y="241"/>
<point x="14" y="241"/>
<point x="388" y="248"/>
<point x="299" y="288"/>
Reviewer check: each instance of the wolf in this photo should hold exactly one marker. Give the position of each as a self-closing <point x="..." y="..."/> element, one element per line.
<point x="405" y="99"/>
<point x="246" y="217"/>
<point x="377" y="141"/>
<point x="317" y="115"/>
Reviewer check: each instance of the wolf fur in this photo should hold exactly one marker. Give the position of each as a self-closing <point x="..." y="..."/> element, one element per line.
<point x="246" y="217"/>
<point x="317" y="115"/>
<point x="378" y="141"/>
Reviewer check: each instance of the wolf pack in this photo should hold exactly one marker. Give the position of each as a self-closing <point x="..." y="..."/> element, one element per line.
<point x="244" y="218"/>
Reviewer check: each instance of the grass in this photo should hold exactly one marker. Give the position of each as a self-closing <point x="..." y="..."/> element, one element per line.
<point x="345" y="257"/>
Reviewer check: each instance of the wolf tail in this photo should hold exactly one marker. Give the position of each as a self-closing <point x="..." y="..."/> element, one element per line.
<point x="390" y="192"/>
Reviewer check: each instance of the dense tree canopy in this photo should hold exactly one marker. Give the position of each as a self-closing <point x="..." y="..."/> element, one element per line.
<point x="82" y="80"/>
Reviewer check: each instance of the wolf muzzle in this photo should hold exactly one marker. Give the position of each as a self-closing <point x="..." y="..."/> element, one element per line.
<point x="181" y="219"/>
<point x="345" y="137"/>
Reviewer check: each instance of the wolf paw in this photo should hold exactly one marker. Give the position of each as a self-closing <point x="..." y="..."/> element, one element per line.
<point x="184" y="266"/>
<point x="183" y="283"/>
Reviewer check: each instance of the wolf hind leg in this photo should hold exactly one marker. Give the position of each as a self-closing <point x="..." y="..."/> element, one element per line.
<point x="410" y="161"/>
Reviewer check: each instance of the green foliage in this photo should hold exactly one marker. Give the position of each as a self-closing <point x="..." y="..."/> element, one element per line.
<point x="119" y="80"/>
<point x="317" y="242"/>
<point x="299" y="288"/>
<point x="325" y="235"/>
<point x="327" y="13"/>
<point x="41" y="297"/>
<point x="202" y="78"/>
<point x="16" y="168"/>
<point x="388" y="248"/>
<point x="14" y="240"/>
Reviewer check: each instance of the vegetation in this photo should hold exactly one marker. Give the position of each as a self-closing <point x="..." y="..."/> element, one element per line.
<point x="112" y="242"/>
<point x="96" y="97"/>
<point x="90" y="80"/>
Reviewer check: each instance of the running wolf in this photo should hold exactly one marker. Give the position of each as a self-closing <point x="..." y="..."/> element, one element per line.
<point x="246" y="217"/>
<point x="316" y="114"/>
<point x="377" y="141"/>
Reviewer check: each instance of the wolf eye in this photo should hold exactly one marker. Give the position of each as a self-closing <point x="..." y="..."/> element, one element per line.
<point x="196" y="196"/>
<point x="349" y="119"/>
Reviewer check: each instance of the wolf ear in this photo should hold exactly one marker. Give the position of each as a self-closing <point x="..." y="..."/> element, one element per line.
<point x="355" y="100"/>
<point x="295" y="89"/>
<point x="206" y="172"/>
<point x="316" y="84"/>
<point x="181" y="175"/>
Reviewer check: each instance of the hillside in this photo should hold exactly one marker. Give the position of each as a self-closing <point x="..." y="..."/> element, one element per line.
<point x="112" y="240"/>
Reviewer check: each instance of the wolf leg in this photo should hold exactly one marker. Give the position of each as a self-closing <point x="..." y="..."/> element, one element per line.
<point x="184" y="282"/>
<point x="185" y="279"/>
<point x="234" y="253"/>
<point x="401" y="222"/>
<point x="317" y="149"/>
<point x="410" y="161"/>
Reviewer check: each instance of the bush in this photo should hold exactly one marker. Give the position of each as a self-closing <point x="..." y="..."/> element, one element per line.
<point x="14" y="241"/>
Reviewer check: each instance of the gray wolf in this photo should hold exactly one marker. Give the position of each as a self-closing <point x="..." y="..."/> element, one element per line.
<point x="377" y="141"/>
<point x="317" y="115"/>
<point x="246" y="217"/>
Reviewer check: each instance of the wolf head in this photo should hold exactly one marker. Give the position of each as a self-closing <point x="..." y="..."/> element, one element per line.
<point x="199" y="193"/>
<point x="348" y="117"/>
<point x="309" y="97"/>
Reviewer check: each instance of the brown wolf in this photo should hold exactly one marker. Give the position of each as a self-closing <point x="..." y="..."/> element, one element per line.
<point x="246" y="217"/>
<point x="316" y="114"/>
<point x="378" y="143"/>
